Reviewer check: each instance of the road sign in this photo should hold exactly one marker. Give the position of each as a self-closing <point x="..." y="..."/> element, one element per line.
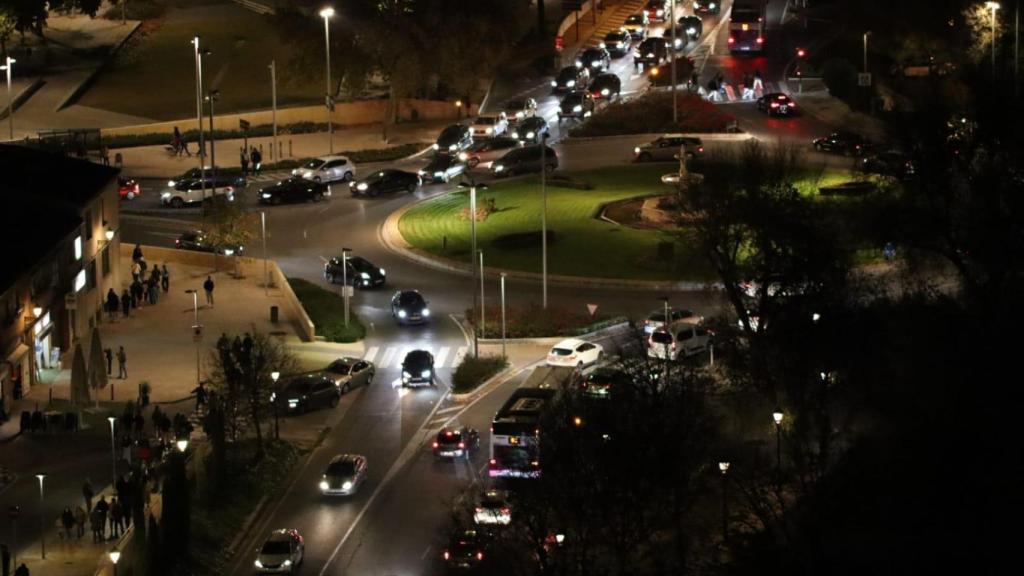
<point x="592" y="308"/>
<point x="349" y="291"/>
<point x="864" y="79"/>
<point x="243" y="124"/>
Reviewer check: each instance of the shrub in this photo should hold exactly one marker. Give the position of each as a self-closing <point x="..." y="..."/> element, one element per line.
<point x="840" y="77"/>
<point x="327" y="311"/>
<point x="652" y="113"/>
<point x="473" y="372"/>
<point x="136" y="10"/>
<point x="535" y="322"/>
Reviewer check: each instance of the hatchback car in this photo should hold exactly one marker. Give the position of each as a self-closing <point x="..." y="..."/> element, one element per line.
<point x="524" y="160"/>
<point x="776" y="104"/>
<point x="617" y="43"/>
<point x="308" y="391"/>
<point x="455" y="442"/>
<point x="442" y="168"/>
<point x="198" y="241"/>
<point x="294" y="190"/>
<point x="409" y="307"/>
<point x="636" y="25"/>
<point x="846" y="143"/>
<point x="185" y="192"/>
<point x="651" y="52"/>
<point x="656" y="319"/>
<point x="574" y="352"/>
<point x="349" y="373"/>
<point x="128" y="188"/>
<point x="281" y="553"/>
<point x="691" y="27"/>
<point x="358" y="272"/>
<point x="493" y="508"/>
<point x="570" y="78"/>
<point x="518" y="110"/>
<point x="657" y="10"/>
<point x="344" y="475"/>
<point x="594" y="59"/>
<point x="454" y="139"/>
<point x="465" y="550"/>
<point x="680" y="340"/>
<point x="577" y="104"/>
<point x="605" y="85"/>
<point x="668" y="147"/>
<point x="492" y="149"/>
<point x="418" y="368"/>
<point x="383" y="181"/>
<point x="326" y="169"/>
<point x="490" y="125"/>
<point x="532" y="130"/>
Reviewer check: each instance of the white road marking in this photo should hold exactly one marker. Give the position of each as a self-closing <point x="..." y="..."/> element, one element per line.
<point x="459" y="355"/>
<point x="425" y="553"/>
<point x="449" y="409"/>
<point x="389" y="353"/>
<point x="371" y="353"/>
<point x="441" y="356"/>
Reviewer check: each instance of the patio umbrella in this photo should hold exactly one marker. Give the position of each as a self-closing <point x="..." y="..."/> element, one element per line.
<point x="97" y="364"/>
<point x="79" y="378"/>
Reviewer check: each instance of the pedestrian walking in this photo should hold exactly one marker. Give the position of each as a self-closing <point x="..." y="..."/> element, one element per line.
<point x="165" y="279"/>
<point x="126" y="303"/>
<point x="109" y="354"/>
<point x="5" y="560"/>
<point x="758" y="84"/>
<point x="137" y="291"/>
<point x="122" y="363"/>
<point x="208" y="287"/>
<point x="116" y="518"/>
<point x="104" y="509"/>
<point x="113" y="304"/>
<point x="200" y="393"/>
<point x="257" y="160"/>
<point x="243" y="158"/>
<point x="151" y="290"/>
<point x="137" y="253"/>
<point x="136" y="270"/>
<point x="67" y="519"/>
<point x="22" y="570"/>
<point x="81" y="519"/>
<point x="96" y="521"/>
<point x="223" y="344"/>
<point x="87" y="493"/>
<point x="105" y="155"/>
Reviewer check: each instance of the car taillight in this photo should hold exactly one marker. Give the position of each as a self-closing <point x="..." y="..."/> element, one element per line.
<point x="479" y="510"/>
<point x="791" y="104"/>
<point x="731" y="40"/>
<point x="229" y="189"/>
<point x="446" y="555"/>
<point x="493" y="462"/>
<point x="775" y="104"/>
<point x="760" y="40"/>
<point x="435" y="444"/>
<point x="479" y="555"/>
<point x="505" y="511"/>
<point x="462" y="444"/>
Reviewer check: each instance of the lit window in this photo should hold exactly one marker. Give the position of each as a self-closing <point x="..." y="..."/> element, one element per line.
<point x="80" y="280"/>
<point x="78" y="247"/>
<point x="43" y="324"/>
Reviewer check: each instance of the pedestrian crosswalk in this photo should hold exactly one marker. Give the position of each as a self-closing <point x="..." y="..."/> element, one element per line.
<point x="392" y="356"/>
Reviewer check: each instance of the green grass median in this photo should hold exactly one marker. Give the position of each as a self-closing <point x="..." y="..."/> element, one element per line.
<point x="327" y="311"/>
<point x="472" y="372"/>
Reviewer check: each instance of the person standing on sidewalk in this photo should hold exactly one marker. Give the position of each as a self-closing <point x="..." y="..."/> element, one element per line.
<point x="109" y="354"/>
<point x="116" y="518"/>
<point x="257" y="161"/>
<point x="165" y="279"/>
<point x="208" y="287"/>
<point x="126" y="303"/>
<point x="243" y="158"/>
<point x="67" y="519"/>
<point x="87" y="493"/>
<point x="96" y="521"/>
<point x="5" y="560"/>
<point x="122" y="363"/>
<point x="81" y="518"/>
<point x="136" y="270"/>
<point x="22" y="570"/>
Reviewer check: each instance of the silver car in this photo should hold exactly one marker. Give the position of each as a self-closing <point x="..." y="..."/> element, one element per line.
<point x="281" y="553"/>
<point x="349" y="373"/>
<point x="327" y="169"/>
<point x="344" y="475"/>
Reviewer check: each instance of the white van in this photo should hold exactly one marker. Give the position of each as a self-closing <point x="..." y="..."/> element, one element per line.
<point x="681" y="340"/>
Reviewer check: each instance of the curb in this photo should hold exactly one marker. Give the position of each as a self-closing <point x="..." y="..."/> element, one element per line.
<point x="545" y="340"/>
<point x="723" y="136"/>
<point x="22" y="96"/>
<point x="392" y="240"/>
<point x="74" y="94"/>
<point x="511" y="371"/>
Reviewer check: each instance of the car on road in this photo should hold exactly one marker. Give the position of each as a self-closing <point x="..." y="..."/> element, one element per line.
<point x="525" y="159"/>
<point x="489" y="125"/>
<point x="668" y="147"/>
<point x="418" y="368"/>
<point x="657" y="10"/>
<point x="605" y="85"/>
<point x="651" y="52"/>
<point x="199" y="241"/>
<point x="358" y="271"/>
<point x="128" y="188"/>
<point x="306" y="392"/>
<point x="602" y="382"/>
<point x="281" y="553"/>
<point x="455" y="442"/>
<point x="845" y="143"/>
<point x="776" y="104"/>
<point x="891" y="162"/>
<point x="454" y="139"/>
<point x="327" y="169"/>
<point x="656" y="319"/>
<point x="707" y="6"/>
<point x="487" y="150"/>
<point x="294" y="190"/>
<point x="574" y="352"/>
<point x="349" y="373"/>
<point x="532" y="130"/>
<point x="636" y="25"/>
<point x="344" y="475"/>
<point x="576" y="104"/>
<point x="409" y="307"/>
<point x="465" y="550"/>
<point x="617" y="43"/>
<point x="237" y="180"/>
<point x="382" y="181"/>
<point x="570" y="78"/>
<point x="493" y="508"/>
<point x="185" y="192"/>
<point x="442" y="168"/>
<point x="680" y="340"/>
<point x="690" y="27"/>
<point x="518" y="110"/>
<point x="594" y="59"/>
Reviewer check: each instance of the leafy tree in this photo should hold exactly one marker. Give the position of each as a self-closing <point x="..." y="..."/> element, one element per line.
<point x="8" y="24"/>
<point x="29" y="15"/>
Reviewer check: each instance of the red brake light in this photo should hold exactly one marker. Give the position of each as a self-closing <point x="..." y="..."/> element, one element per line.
<point x="701" y="149"/>
<point x="494" y="462"/>
<point x="479" y="555"/>
<point x="775" y="104"/>
<point x="504" y="510"/>
<point x="731" y="40"/>
<point x="479" y="510"/>
<point x="760" y="40"/>
<point x="447" y="432"/>
<point x="462" y="444"/>
<point x="435" y="444"/>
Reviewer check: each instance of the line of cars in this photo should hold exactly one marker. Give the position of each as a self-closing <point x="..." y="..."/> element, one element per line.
<point x="884" y="159"/>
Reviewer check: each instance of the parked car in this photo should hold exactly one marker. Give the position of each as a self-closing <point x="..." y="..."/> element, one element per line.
<point x="657" y="10"/>
<point x="668" y="147"/>
<point x="294" y="190"/>
<point x="846" y="143"/>
<point x="128" y="188"/>
<point x="525" y="159"/>
<point x="532" y="130"/>
<point x="344" y="475"/>
<point x="605" y="85"/>
<point x="409" y="307"/>
<point x="893" y="163"/>
<point x="418" y="368"/>
<point x="679" y="340"/>
<point x="358" y="271"/>
<point x="707" y="6"/>
<point x="465" y="550"/>
<point x="656" y="319"/>
<point x="454" y="139"/>
<point x="326" y="169"/>
<point x="574" y="352"/>
<point x="349" y="373"/>
<point x="490" y="125"/>
<point x="576" y="104"/>
<point x="594" y="59"/>
<point x="442" y="168"/>
<point x="493" y="508"/>
<point x="382" y="181"/>
<point x="281" y="552"/>
<point x="198" y="241"/>
<point x="518" y="110"/>
<point x="306" y="392"/>
<point x="617" y="43"/>
<point x="690" y="27"/>
<point x="776" y="104"/>
<point x="636" y="25"/>
<point x="487" y="150"/>
<point x="455" y="442"/>
<point x="651" y="52"/>
<point x="570" y="78"/>
<point x="186" y="192"/>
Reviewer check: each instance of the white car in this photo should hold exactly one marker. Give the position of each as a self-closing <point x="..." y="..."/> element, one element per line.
<point x="281" y="553"/>
<point x="185" y="192"/>
<point x="493" y="509"/>
<point x="327" y="169"/>
<point x="490" y="125"/>
<point x="656" y="319"/>
<point x="574" y="352"/>
<point x="681" y="340"/>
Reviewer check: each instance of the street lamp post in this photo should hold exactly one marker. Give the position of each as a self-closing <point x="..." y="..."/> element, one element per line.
<point x="273" y="402"/>
<point x="778" y="416"/>
<point x="115" y="555"/>
<point x="211" y="97"/>
<point x="326" y="14"/>
<point x="196" y="327"/>
<point x="345" y="288"/>
<point x="113" y="450"/>
<point x="273" y="108"/>
<point x="866" y="34"/>
<point x="674" y="25"/>
<point x="9" y="68"/>
<point x="42" y="523"/>
<point x="993" y="6"/>
<point x="543" y="222"/>
<point x="723" y="467"/>
<point x="473" y="187"/>
<point x="263" y="233"/>
<point x="503" y="355"/>
<point x="482" y="320"/>
<point x="199" y="118"/>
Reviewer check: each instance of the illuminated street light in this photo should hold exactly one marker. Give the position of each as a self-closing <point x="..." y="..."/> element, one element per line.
<point x="273" y="402"/>
<point x="778" y="416"/>
<point x="182" y="444"/>
<point x="724" y="467"/>
<point x="992" y="7"/>
<point x="327" y="13"/>
<point x="9" y="68"/>
<point x="114" y="555"/>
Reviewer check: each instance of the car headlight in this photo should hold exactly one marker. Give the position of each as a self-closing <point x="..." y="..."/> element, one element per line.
<point x="621" y="45"/>
<point x="530" y="135"/>
<point x="425" y="374"/>
<point x="691" y="31"/>
<point x="605" y="91"/>
<point x="489" y="131"/>
<point x="577" y="108"/>
<point x="636" y="150"/>
<point x="426" y="312"/>
<point x="498" y="167"/>
<point x="406" y="375"/>
<point x="595" y="64"/>
<point x="324" y="485"/>
<point x="453" y="147"/>
<point x="362" y="186"/>
<point x="463" y="156"/>
<point x="570" y="83"/>
<point x="382" y="272"/>
<point x="579" y="64"/>
<point x="436" y="147"/>
<point x="515" y="134"/>
<point x="165" y="194"/>
<point x="711" y="5"/>
<point x="520" y="114"/>
<point x="347" y="485"/>
<point x="602" y="45"/>
<point x="265" y="195"/>
<point x="286" y="563"/>
<point x="438" y="174"/>
<point x="401" y="313"/>
<point x="651" y="55"/>
<point x="171" y="183"/>
<point x="364" y="275"/>
<point x="554" y="84"/>
<point x="661" y="12"/>
<point x="257" y="563"/>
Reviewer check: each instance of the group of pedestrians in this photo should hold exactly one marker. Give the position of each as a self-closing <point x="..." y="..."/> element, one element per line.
<point x="178" y="144"/>
<point x="122" y="362"/>
<point x="106" y="519"/>
<point x="145" y="288"/>
<point x="253" y="157"/>
<point x="750" y="86"/>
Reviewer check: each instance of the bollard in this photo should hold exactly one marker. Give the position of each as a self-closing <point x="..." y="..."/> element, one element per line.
<point x="273" y="314"/>
<point x="279" y="148"/>
<point x="290" y="154"/>
<point x="444" y="243"/>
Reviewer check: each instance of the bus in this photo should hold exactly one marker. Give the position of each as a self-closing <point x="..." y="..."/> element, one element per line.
<point x="515" y="430"/>
<point x="747" y="26"/>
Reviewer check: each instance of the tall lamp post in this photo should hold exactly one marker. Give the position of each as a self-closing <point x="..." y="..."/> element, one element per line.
<point x="777" y="416"/>
<point x="723" y="467"/>
<point x="113" y="450"/>
<point x="198" y="54"/>
<point x="345" y="288"/>
<point x="482" y="300"/>
<point x="544" y="221"/>
<point x="993" y="6"/>
<point x="42" y="523"/>
<point x="273" y="108"/>
<point x="211" y="97"/>
<point x="273" y="402"/>
<point x="9" y="68"/>
<point x="503" y="355"/>
<point x="326" y="14"/>
<point x="866" y="34"/>
<point x="473" y="187"/>
<point x="672" y="22"/>
<point x="197" y="329"/>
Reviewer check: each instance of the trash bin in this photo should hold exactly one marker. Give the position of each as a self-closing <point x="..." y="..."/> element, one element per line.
<point x="273" y="314"/>
<point x="26" y="420"/>
<point x="70" y="421"/>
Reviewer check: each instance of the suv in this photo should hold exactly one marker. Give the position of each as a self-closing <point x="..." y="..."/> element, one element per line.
<point x="326" y="169"/>
<point x="490" y="125"/>
<point x="456" y="442"/>
<point x="526" y="159"/>
<point x="576" y="104"/>
<point x="656" y="319"/>
<point x="636" y="25"/>
<point x="682" y="339"/>
<point x="454" y="139"/>
<point x="570" y="78"/>
<point x="668" y="147"/>
<point x="358" y="271"/>
<point x="418" y="368"/>
<point x="617" y="42"/>
<point x="191" y="191"/>
<point x="651" y="52"/>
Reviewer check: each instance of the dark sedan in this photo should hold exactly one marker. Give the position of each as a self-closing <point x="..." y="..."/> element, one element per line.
<point x="454" y="139"/>
<point x="532" y="130"/>
<point x="846" y="143"/>
<point x="383" y="181"/>
<point x="594" y="59"/>
<point x="651" y="52"/>
<point x="418" y="368"/>
<point x="308" y="391"/>
<point x="294" y="190"/>
<point x="606" y="85"/>
<point x="359" y="272"/>
<point x="570" y="78"/>
<point x="691" y="27"/>
<point x="889" y="163"/>
<point x="576" y="104"/>
<point x="409" y="307"/>
<point x="465" y="550"/>
<point x="707" y="6"/>
<point x="198" y="241"/>
<point x="776" y="104"/>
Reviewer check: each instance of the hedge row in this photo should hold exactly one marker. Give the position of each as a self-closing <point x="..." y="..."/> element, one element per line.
<point x="652" y="113"/>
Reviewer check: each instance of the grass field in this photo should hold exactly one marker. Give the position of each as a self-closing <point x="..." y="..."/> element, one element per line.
<point x="154" y="75"/>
